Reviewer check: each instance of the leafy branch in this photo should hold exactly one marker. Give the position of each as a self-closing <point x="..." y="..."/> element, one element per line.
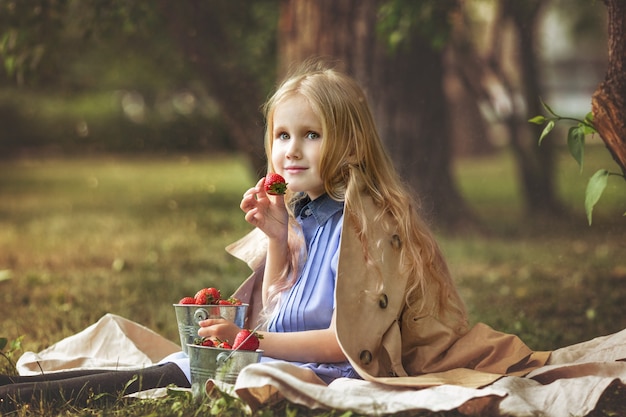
<point x="576" y="145"/>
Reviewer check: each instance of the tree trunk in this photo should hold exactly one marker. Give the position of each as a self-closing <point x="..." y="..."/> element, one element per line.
<point x="469" y="83"/>
<point x="536" y="164"/>
<point x="412" y="115"/>
<point x="405" y="89"/>
<point x="609" y="100"/>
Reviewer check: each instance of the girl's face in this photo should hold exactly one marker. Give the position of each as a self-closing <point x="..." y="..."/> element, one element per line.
<point x="297" y="144"/>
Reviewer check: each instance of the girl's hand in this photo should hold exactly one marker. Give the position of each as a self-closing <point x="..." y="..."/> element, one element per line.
<point x="221" y="329"/>
<point x="267" y="212"/>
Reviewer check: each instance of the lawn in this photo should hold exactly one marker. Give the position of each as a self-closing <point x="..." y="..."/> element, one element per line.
<point x="83" y="236"/>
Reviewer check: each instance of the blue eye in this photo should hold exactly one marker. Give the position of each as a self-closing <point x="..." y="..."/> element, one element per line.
<point x="312" y="135"/>
<point x="283" y="136"/>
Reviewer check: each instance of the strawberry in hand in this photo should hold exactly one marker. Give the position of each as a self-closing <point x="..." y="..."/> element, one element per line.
<point x="275" y="184"/>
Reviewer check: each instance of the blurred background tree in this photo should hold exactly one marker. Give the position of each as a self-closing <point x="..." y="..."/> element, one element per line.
<point x="395" y="49"/>
<point x="445" y="78"/>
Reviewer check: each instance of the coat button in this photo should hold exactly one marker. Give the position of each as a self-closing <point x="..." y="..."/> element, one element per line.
<point x="396" y="243"/>
<point x="383" y="301"/>
<point x="365" y="357"/>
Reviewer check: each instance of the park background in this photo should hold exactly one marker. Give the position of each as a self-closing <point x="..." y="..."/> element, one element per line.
<point x="130" y="129"/>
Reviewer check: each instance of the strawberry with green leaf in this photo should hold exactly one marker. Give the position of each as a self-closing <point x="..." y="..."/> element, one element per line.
<point x="208" y="296"/>
<point x="275" y="184"/>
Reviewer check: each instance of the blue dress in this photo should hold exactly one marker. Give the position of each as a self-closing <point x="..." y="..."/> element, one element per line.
<point x="309" y="304"/>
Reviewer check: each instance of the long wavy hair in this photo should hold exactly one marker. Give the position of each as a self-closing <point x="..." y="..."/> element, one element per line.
<point x="354" y="162"/>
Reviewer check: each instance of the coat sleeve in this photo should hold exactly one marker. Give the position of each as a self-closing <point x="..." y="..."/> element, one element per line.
<point x="251" y="249"/>
<point x="369" y="299"/>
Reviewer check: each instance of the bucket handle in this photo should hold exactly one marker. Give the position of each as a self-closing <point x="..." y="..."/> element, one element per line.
<point x="200" y="315"/>
<point x="222" y="358"/>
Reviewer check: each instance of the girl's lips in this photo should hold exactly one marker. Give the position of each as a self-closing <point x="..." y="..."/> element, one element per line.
<point x="294" y="170"/>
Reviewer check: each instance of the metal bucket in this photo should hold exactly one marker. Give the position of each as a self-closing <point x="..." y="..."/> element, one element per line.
<point x="189" y="315"/>
<point x="216" y="363"/>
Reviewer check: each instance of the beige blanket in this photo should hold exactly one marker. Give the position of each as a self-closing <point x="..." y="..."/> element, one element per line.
<point x="571" y="384"/>
<point x="113" y="342"/>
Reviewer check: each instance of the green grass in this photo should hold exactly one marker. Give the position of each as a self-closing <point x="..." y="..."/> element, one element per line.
<point x="552" y="281"/>
<point x="80" y="237"/>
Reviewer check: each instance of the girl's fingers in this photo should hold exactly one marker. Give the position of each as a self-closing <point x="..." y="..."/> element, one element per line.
<point x="253" y="194"/>
<point x="251" y="215"/>
<point x="247" y="203"/>
<point x="211" y="322"/>
<point x="218" y="328"/>
<point x="209" y="327"/>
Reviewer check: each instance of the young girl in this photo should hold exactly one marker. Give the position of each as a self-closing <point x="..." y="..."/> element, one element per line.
<point x="353" y="281"/>
<point x="348" y="280"/>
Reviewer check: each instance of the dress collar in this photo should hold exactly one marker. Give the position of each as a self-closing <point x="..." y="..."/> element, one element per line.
<point x="322" y="208"/>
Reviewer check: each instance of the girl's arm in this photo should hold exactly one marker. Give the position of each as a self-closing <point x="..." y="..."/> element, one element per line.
<point x="275" y="263"/>
<point x="269" y="214"/>
<point x="306" y="346"/>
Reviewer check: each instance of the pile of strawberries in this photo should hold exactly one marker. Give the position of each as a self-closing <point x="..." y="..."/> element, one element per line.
<point x="210" y="296"/>
<point x="245" y="340"/>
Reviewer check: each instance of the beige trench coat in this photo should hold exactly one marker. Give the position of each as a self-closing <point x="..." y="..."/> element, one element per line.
<point x="374" y="327"/>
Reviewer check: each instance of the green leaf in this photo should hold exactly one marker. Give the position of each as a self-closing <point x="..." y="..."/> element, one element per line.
<point x="576" y="144"/>
<point x="546" y="130"/>
<point x="587" y="124"/>
<point x="538" y="120"/>
<point x="3" y="342"/>
<point x="595" y="188"/>
<point x="174" y="391"/>
<point x="588" y="129"/>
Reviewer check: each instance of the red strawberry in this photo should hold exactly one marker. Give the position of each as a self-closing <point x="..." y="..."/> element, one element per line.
<point x="232" y="301"/>
<point x="224" y="345"/>
<point x="207" y="296"/>
<point x="207" y="342"/>
<point x="252" y="342"/>
<point x="235" y="301"/>
<point x="275" y="184"/>
<point x="187" y="300"/>
<point x="203" y="341"/>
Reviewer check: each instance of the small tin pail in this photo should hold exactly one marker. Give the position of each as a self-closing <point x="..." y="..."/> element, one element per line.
<point x="189" y="315"/>
<point x="217" y="363"/>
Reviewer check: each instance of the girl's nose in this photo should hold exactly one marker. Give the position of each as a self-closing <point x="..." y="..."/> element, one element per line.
<point x="293" y="152"/>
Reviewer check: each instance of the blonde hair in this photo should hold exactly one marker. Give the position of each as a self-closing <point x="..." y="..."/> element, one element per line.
<point x="354" y="161"/>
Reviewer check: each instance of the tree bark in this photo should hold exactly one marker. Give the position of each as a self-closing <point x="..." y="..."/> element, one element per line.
<point x="608" y="102"/>
<point x="405" y="89"/>
<point x="536" y="165"/>
<point x="468" y="83"/>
